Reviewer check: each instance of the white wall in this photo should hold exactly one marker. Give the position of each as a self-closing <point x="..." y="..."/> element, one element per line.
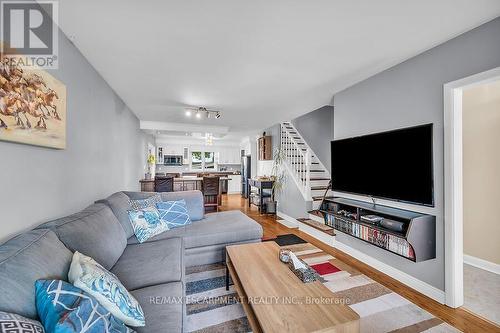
<point x="481" y="171"/>
<point x="106" y="152"/>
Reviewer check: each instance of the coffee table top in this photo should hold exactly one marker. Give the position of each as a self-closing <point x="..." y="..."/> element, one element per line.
<point x="280" y="301"/>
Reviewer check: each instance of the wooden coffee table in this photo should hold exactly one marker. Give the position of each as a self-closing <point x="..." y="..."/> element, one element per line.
<point x="275" y="300"/>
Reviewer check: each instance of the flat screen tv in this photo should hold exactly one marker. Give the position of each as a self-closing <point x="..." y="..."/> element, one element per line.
<point x="395" y="165"/>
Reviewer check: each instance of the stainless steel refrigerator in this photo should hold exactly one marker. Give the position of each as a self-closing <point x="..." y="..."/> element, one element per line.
<point x="245" y="174"/>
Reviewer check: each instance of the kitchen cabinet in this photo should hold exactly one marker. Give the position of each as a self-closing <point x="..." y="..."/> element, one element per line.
<point x="265" y="148"/>
<point x="229" y="155"/>
<point x="234" y="185"/>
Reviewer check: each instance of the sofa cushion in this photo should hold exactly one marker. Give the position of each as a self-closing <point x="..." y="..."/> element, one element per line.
<point x="174" y="213"/>
<point x="86" y="274"/>
<point x="65" y="308"/>
<point x="216" y="228"/>
<point x="163" y="307"/>
<point x="119" y="203"/>
<point x="12" y="323"/>
<point x="34" y="255"/>
<point x="138" y="204"/>
<point x="151" y="263"/>
<point x="194" y="201"/>
<point x="94" y="232"/>
<point x="146" y="223"/>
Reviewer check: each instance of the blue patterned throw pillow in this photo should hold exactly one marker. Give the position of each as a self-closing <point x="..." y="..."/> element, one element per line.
<point x="64" y="308"/>
<point x="13" y="323"/>
<point x="86" y="274"/>
<point x="174" y="213"/>
<point x="146" y="223"/>
<point x="145" y="203"/>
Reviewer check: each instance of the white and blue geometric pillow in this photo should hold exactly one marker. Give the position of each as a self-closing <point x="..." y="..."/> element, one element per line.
<point x="174" y="213"/>
<point x="13" y="323"/>
<point x="86" y="274"/>
<point x="144" y="203"/>
<point x="64" y="308"/>
<point x="146" y="223"/>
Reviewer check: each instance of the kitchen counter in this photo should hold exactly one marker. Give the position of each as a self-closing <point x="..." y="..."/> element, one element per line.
<point x="187" y="183"/>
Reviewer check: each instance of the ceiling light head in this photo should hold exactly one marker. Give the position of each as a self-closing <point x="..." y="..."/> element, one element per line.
<point x="198" y="115"/>
<point x="188" y="113"/>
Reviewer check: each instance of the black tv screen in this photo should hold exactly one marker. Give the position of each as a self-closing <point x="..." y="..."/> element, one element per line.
<point x="395" y="165"/>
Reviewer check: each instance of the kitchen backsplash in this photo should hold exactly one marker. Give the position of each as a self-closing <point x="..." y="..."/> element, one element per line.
<point x="186" y="168"/>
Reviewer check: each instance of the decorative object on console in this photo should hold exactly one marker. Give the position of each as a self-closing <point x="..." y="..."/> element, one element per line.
<point x="63" y="307"/>
<point x="147" y="223"/>
<point x="144" y="203"/>
<point x="174" y="213"/>
<point x="86" y="274"/>
<point x="373" y="219"/>
<point x="12" y="323"/>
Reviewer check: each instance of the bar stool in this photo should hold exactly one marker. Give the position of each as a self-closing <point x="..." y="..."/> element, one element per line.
<point x="211" y="192"/>
<point x="164" y="184"/>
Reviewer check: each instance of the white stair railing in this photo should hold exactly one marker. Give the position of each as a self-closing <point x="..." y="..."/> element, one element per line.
<point x="298" y="161"/>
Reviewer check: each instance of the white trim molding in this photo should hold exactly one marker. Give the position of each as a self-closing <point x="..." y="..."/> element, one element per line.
<point x="412" y="282"/>
<point x="287" y="221"/>
<point x="482" y="264"/>
<point x="453" y="183"/>
<point x="319" y="235"/>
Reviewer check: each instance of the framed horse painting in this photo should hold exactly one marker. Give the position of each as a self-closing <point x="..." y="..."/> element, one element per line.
<point x="32" y="106"/>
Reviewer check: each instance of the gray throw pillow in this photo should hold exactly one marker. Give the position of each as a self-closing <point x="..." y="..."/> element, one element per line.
<point x="13" y="323"/>
<point x="145" y="203"/>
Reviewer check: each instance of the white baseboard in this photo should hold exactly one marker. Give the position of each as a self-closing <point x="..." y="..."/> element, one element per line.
<point x="316" y="218"/>
<point x="481" y="263"/>
<point x="412" y="282"/>
<point x="287" y="221"/>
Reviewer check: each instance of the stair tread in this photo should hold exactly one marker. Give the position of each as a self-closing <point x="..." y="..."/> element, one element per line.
<point x="318" y="225"/>
<point x="319" y="178"/>
<point x="320" y="197"/>
<point x="318" y="170"/>
<point x="303" y="162"/>
<point x="316" y="213"/>
<point x="318" y="188"/>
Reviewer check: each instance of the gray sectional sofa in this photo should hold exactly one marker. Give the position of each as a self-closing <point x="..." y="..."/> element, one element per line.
<point x="153" y="271"/>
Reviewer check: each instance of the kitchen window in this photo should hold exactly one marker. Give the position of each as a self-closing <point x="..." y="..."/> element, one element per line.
<point x="203" y="160"/>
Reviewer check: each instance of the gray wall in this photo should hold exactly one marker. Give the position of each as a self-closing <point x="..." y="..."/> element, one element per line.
<point x="105" y="153"/>
<point x="410" y="94"/>
<point x="316" y="128"/>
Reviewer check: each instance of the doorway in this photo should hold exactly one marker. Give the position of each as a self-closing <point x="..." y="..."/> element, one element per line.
<point x="459" y="176"/>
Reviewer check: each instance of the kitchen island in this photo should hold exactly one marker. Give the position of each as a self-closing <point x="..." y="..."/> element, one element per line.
<point x="184" y="183"/>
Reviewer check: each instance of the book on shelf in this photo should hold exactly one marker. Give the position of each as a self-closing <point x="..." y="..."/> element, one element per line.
<point x="380" y="238"/>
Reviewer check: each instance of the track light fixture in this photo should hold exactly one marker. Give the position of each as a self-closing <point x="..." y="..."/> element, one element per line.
<point x="200" y="111"/>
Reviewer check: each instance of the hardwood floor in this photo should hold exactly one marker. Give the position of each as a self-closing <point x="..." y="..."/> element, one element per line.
<point x="460" y="318"/>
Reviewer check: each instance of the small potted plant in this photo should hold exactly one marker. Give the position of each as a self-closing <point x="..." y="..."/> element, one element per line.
<point x="151" y="166"/>
<point x="278" y="176"/>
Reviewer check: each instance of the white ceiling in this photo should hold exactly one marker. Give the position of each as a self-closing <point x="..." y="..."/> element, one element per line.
<point x="260" y="62"/>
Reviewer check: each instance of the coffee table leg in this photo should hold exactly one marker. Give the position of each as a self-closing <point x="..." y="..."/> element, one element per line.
<point x="227" y="278"/>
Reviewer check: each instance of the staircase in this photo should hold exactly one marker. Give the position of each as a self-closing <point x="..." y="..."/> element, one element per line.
<point x="308" y="173"/>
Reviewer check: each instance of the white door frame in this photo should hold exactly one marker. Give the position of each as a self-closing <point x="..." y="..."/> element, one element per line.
<point x="453" y="183"/>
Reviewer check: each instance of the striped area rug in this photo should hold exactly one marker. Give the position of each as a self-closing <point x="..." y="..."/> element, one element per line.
<point x="210" y="308"/>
